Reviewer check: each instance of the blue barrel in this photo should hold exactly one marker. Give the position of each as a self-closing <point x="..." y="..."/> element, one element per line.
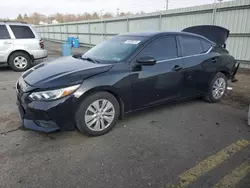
<point x="76" y="43"/>
<point x="70" y="40"/>
<point x="66" y="49"/>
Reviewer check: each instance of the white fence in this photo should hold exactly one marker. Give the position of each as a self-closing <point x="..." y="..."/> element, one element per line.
<point x="234" y="15"/>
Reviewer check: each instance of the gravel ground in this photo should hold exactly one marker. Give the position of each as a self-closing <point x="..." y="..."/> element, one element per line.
<point x="149" y="148"/>
<point x="240" y="96"/>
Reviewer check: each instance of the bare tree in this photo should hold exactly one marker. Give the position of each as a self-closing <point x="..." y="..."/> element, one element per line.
<point x="36" y="18"/>
<point x="19" y="18"/>
<point x="25" y="18"/>
<point x="107" y="15"/>
<point x="125" y="13"/>
<point x="95" y="16"/>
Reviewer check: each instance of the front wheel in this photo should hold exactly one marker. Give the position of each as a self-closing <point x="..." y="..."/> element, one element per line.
<point x="217" y="88"/>
<point x="97" y="114"/>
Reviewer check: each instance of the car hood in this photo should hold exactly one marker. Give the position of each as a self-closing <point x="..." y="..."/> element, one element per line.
<point x="216" y="34"/>
<point x="63" y="71"/>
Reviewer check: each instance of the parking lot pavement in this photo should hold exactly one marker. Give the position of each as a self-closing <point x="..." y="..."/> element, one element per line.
<point x="188" y="144"/>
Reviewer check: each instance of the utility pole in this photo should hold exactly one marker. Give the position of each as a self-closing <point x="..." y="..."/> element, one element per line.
<point x="215" y="10"/>
<point x="101" y="16"/>
<point x="101" y="13"/>
<point x="167" y="4"/>
<point x="118" y="12"/>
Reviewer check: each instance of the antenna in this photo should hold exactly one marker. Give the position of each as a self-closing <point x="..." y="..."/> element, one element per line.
<point x="167" y="1"/>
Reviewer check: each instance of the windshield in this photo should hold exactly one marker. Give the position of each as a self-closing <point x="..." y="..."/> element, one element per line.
<point x="116" y="49"/>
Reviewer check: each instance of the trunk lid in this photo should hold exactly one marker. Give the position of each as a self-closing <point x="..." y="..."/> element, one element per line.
<point x="216" y="34"/>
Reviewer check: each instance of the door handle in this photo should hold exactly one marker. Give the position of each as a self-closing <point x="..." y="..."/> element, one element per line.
<point x="177" y="68"/>
<point x="214" y="59"/>
<point x="7" y="43"/>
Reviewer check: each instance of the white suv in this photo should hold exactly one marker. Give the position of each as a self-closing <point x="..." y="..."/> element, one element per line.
<point x="20" y="45"/>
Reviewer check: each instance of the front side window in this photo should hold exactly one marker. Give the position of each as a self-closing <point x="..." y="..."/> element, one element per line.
<point x="4" y="34"/>
<point x="190" y="46"/>
<point x="116" y="49"/>
<point x="163" y="48"/>
<point x="22" y="32"/>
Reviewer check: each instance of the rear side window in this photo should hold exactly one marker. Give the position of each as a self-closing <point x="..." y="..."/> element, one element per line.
<point x="161" y="49"/>
<point x="190" y="46"/>
<point x="22" y="32"/>
<point x="4" y="34"/>
<point x="206" y="45"/>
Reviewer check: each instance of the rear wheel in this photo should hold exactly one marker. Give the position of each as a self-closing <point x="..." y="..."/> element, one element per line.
<point x="97" y="114"/>
<point x="217" y="88"/>
<point x="19" y="61"/>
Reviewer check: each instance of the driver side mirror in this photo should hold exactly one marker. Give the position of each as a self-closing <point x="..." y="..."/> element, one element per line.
<point x="146" y="61"/>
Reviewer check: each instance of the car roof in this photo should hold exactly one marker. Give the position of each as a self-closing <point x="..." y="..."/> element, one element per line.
<point x="13" y="23"/>
<point x="160" y="33"/>
<point x="143" y="34"/>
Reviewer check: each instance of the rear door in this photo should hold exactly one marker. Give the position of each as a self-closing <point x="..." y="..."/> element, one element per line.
<point x="162" y="81"/>
<point x="199" y="63"/>
<point x="6" y="43"/>
<point x="25" y="38"/>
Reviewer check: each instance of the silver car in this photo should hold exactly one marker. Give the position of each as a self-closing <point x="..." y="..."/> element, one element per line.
<point x="20" y="45"/>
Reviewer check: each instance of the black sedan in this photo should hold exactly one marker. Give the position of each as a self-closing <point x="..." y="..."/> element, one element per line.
<point x="129" y="72"/>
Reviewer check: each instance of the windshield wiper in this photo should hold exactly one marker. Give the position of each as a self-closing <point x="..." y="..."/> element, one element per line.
<point x="90" y="59"/>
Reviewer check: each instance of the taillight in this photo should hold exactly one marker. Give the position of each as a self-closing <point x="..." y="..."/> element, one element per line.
<point x="41" y="44"/>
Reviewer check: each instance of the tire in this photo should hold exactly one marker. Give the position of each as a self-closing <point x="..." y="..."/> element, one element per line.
<point x="210" y="97"/>
<point x="19" y="61"/>
<point x="85" y="116"/>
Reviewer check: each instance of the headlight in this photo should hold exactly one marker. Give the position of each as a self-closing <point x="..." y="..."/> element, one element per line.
<point x="53" y="94"/>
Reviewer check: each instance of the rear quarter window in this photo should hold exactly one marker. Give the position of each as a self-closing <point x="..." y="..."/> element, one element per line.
<point x="206" y="45"/>
<point x="22" y="32"/>
<point x="4" y="34"/>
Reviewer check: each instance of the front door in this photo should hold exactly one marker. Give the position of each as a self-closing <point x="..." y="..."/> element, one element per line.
<point x="5" y="43"/>
<point x="162" y="81"/>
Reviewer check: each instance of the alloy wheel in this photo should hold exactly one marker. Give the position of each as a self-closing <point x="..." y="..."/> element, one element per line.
<point x="99" y="115"/>
<point x="219" y="88"/>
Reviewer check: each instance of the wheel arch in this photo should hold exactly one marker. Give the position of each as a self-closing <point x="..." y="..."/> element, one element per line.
<point x="113" y="91"/>
<point x="223" y="71"/>
<point x="23" y="51"/>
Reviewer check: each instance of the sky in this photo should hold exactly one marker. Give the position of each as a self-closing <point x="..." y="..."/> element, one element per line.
<point x="11" y="8"/>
